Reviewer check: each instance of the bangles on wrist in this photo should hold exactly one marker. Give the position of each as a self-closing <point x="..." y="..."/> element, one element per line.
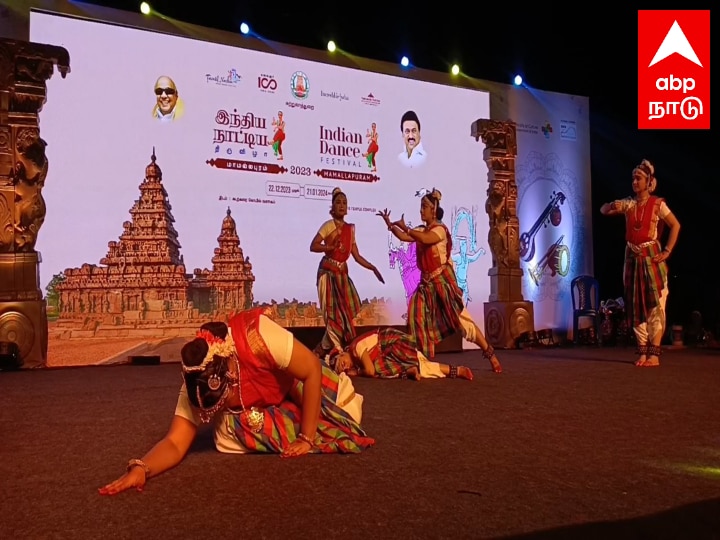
<point x="138" y="463"/>
<point x="305" y="438"/>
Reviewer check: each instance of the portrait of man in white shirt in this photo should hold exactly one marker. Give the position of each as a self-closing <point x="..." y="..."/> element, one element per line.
<point x="413" y="154"/>
<point x="168" y="105"/>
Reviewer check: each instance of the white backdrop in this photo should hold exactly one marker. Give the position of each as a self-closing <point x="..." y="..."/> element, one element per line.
<point x="101" y="131"/>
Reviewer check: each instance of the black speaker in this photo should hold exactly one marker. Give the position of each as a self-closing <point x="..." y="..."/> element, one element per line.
<point x="144" y="360"/>
<point x="10" y="358"/>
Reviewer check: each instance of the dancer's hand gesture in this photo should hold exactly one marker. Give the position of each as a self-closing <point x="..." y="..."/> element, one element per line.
<point x="385" y="214"/>
<point x="401" y="223"/>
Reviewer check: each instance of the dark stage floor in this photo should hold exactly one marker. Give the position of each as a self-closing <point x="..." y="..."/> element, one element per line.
<point x="571" y="443"/>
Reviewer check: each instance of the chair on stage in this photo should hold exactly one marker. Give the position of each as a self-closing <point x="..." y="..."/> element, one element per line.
<point x="585" y="291"/>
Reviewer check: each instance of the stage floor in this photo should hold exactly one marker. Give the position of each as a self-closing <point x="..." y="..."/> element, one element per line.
<point x="566" y="443"/>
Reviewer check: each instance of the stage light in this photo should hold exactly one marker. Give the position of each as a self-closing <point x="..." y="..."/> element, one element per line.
<point x="145" y="8"/>
<point x="455" y="69"/>
<point x="518" y="80"/>
<point x="331" y="46"/>
<point x="404" y="62"/>
<point x="244" y="28"/>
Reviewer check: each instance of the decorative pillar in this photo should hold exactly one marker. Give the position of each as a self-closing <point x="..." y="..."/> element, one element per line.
<point x="507" y="313"/>
<point x="24" y="69"/>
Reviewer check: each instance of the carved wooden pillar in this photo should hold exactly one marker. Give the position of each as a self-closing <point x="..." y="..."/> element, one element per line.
<point x="507" y="313"/>
<point x="24" y="69"/>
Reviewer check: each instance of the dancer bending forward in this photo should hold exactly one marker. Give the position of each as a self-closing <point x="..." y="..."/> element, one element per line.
<point x="436" y="308"/>
<point x="262" y="390"/>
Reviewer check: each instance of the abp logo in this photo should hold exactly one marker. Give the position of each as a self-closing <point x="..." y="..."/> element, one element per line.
<point x="674" y="69"/>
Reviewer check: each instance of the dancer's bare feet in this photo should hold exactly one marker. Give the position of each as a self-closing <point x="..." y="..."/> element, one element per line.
<point x="488" y="352"/>
<point x="495" y="363"/>
<point x="651" y="362"/>
<point x="413" y="373"/>
<point x="653" y="356"/>
<point x="641" y="360"/>
<point x="465" y="373"/>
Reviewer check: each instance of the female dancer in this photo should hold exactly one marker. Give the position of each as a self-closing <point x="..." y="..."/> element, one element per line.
<point x="645" y="273"/>
<point x="339" y="300"/>
<point x="263" y="391"/>
<point x="373" y="147"/>
<point x="436" y="308"/>
<point x="388" y="353"/>
<point x="279" y="136"/>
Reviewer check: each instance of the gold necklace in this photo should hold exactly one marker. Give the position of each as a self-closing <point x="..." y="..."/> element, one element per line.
<point x="254" y="416"/>
<point x="639" y="222"/>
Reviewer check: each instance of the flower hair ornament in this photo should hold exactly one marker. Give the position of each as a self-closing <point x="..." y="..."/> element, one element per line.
<point x="648" y="169"/>
<point x="223" y="348"/>
<point x="216" y="347"/>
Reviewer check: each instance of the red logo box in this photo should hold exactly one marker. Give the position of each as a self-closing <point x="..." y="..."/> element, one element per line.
<point x="674" y="69"/>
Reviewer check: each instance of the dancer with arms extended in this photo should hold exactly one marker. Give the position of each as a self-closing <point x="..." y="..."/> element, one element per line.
<point x="436" y="308"/>
<point x="262" y="390"/>
<point x="339" y="300"/>
<point x="388" y="353"/>
<point x="645" y="270"/>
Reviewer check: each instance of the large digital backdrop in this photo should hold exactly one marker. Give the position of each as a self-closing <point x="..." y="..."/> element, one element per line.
<point x="188" y="178"/>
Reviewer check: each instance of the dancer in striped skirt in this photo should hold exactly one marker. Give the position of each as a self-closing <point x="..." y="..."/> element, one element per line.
<point x="645" y="272"/>
<point x="388" y="353"/>
<point x="339" y="300"/>
<point x="436" y="309"/>
<point x="262" y="390"/>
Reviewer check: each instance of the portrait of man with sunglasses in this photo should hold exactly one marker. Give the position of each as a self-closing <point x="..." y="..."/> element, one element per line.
<point x="168" y="106"/>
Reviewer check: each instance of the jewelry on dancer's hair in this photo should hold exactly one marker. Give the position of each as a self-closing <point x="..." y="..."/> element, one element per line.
<point x="223" y="348"/>
<point x="216" y="347"/>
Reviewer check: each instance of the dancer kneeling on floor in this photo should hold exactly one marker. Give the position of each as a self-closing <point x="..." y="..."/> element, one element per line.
<point x="264" y="392"/>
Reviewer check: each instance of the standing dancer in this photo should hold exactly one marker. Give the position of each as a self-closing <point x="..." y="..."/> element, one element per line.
<point x="339" y="300"/>
<point x="645" y="272"/>
<point x="279" y="136"/>
<point x="373" y="147"/>
<point x="387" y="353"/>
<point x="436" y="308"/>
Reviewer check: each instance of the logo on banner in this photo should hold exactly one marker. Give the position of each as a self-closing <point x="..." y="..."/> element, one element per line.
<point x="370" y="99"/>
<point x="267" y="83"/>
<point x="246" y="135"/>
<point x="547" y="130"/>
<point x="568" y="130"/>
<point x="232" y="78"/>
<point x="334" y="95"/>
<point x="300" y="85"/>
<point x="346" y="155"/>
<point x="674" y="69"/>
